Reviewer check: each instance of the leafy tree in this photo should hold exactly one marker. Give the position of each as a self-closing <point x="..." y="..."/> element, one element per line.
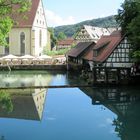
<point x="129" y="19"/>
<point x="52" y="37"/>
<point x="61" y="36"/>
<point x="7" y="9"/>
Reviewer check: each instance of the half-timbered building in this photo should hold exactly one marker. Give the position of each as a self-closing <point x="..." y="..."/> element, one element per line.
<point x="91" y="33"/>
<point x="112" y="51"/>
<point x="111" y="54"/>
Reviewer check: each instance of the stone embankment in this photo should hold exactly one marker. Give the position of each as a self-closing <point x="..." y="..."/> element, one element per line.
<point x="33" y="67"/>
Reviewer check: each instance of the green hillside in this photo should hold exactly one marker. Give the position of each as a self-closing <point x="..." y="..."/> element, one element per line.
<point x="70" y="30"/>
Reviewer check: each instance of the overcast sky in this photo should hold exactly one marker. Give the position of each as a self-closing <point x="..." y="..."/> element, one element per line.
<point x="63" y="12"/>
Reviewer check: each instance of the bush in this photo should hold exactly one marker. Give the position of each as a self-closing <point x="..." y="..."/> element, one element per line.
<point x="58" y="52"/>
<point x="5" y="101"/>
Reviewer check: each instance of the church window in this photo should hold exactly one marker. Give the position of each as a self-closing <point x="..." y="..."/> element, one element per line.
<point x="7" y="46"/>
<point x="22" y="43"/>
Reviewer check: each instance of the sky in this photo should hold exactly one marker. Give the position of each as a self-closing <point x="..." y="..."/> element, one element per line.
<point x="65" y="12"/>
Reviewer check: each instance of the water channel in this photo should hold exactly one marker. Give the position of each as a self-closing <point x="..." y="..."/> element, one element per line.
<point x="94" y="113"/>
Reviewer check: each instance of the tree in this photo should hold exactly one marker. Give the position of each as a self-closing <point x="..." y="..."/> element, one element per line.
<point x="61" y="36"/>
<point x="52" y="37"/>
<point x="7" y="9"/>
<point x="129" y="19"/>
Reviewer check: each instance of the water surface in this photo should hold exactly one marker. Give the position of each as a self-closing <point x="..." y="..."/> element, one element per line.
<point x="66" y="113"/>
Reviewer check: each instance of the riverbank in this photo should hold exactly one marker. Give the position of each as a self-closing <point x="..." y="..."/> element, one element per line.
<point x="33" y="67"/>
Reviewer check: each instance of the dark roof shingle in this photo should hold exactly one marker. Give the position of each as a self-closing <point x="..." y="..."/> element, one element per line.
<point x="79" y="49"/>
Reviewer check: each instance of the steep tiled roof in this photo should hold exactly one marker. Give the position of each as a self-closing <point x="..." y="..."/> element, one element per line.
<point x="26" y="19"/>
<point x="79" y="49"/>
<point x="68" y="41"/>
<point x="106" y="45"/>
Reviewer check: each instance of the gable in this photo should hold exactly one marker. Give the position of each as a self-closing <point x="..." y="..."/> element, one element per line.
<point x="40" y="18"/>
<point x="83" y="35"/>
<point x="91" y="33"/>
<point x="120" y="53"/>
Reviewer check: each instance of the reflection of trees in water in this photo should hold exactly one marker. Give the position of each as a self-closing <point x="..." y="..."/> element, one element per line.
<point x="125" y="103"/>
<point x="5" y="101"/>
<point x="128" y="127"/>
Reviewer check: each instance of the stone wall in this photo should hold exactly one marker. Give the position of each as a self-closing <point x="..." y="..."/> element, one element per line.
<point x="34" y="67"/>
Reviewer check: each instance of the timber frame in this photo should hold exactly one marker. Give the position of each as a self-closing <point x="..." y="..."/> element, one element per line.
<point x="112" y="63"/>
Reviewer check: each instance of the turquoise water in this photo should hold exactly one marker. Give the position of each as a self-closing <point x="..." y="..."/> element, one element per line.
<point x="68" y="113"/>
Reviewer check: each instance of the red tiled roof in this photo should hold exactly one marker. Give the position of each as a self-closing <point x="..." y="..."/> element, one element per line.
<point x="79" y="49"/>
<point x="68" y="41"/>
<point x="26" y="19"/>
<point x="113" y="41"/>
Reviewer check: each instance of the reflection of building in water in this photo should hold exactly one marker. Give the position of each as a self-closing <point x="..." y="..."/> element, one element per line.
<point x="21" y="79"/>
<point x="125" y="104"/>
<point x="27" y="104"/>
<point x="39" y="100"/>
<point x="117" y="100"/>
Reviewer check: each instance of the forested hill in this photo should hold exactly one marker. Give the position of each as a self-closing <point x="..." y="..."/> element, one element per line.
<point x="70" y="30"/>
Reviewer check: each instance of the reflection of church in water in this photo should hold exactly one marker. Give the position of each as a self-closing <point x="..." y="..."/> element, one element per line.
<point x="27" y="103"/>
<point x="125" y="103"/>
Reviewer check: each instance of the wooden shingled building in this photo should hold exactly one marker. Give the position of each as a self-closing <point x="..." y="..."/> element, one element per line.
<point x="76" y="56"/>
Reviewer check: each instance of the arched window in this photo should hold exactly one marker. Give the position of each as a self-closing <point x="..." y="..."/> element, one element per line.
<point x="40" y="38"/>
<point x="22" y="43"/>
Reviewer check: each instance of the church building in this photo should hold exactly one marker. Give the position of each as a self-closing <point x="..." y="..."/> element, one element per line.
<point x="29" y="33"/>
